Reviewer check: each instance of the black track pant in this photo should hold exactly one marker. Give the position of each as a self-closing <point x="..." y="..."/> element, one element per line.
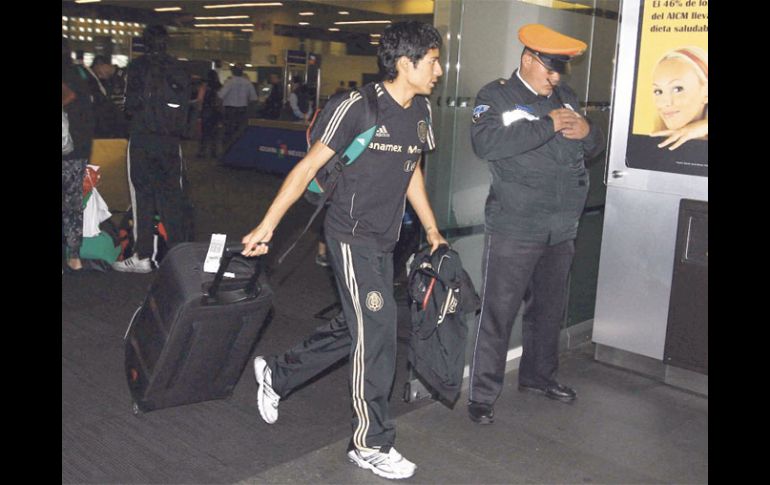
<point x="365" y="331"/>
<point x="156" y="185"/>
<point x="514" y="271"/>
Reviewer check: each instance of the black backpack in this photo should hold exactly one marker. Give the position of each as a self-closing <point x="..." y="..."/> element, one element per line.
<point x="166" y="96"/>
<point x="322" y="186"/>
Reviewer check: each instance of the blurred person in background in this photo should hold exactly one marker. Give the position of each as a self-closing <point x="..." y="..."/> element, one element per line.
<point x="211" y="114"/>
<point x="77" y="103"/>
<point x="236" y="94"/>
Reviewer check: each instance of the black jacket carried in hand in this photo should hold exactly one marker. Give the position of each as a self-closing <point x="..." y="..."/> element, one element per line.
<point x="440" y="292"/>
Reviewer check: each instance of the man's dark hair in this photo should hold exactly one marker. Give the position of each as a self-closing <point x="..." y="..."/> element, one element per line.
<point x="412" y="39"/>
<point x="236" y="70"/>
<point x="155" y="38"/>
<point x="101" y="59"/>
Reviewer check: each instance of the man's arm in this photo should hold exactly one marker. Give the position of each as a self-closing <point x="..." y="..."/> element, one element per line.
<point x="67" y="95"/>
<point x="225" y="89"/>
<point x="295" y="107"/>
<point x="291" y="190"/>
<point x="502" y="131"/>
<point x="418" y="197"/>
<point x="577" y="127"/>
<point x="593" y="143"/>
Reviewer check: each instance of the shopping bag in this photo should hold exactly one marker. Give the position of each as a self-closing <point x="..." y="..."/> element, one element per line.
<point x="94" y="213"/>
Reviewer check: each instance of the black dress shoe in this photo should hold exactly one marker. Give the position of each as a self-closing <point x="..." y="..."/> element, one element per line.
<point x="481" y="413"/>
<point x="552" y="391"/>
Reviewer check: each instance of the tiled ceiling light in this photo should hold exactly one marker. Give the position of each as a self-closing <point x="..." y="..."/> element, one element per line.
<point x="236" y="5"/>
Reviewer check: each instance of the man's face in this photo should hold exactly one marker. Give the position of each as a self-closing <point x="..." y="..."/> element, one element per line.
<point x="537" y="75"/>
<point x="104" y="71"/>
<point x="679" y="94"/>
<point x="423" y="77"/>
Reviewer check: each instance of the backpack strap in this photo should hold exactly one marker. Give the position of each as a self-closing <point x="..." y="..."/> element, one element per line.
<point x="353" y="150"/>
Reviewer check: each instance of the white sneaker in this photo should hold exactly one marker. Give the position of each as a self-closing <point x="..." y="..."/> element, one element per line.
<point x="133" y="265"/>
<point x="390" y="464"/>
<point x="267" y="399"/>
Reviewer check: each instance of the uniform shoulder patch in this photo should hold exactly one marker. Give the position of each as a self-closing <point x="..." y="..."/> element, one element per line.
<point x="478" y="111"/>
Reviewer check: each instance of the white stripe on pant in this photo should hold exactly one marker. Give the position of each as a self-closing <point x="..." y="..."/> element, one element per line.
<point x="359" y="402"/>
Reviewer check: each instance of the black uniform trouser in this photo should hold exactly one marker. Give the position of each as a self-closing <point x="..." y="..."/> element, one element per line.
<point x="156" y="185"/>
<point x="365" y="331"/>
<point x="514" y="271"/>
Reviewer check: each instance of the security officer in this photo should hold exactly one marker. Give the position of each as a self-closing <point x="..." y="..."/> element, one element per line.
<point x="535" y="141"/>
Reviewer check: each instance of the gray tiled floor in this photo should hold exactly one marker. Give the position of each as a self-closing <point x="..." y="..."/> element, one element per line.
<point x="623" y="428"/>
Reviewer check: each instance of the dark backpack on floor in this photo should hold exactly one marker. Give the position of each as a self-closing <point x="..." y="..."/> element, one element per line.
<point x="440" y="292"/>
<point x="166" y="96"/>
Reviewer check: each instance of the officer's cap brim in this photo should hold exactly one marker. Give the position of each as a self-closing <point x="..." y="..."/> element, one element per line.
<point x="551" y="47"/>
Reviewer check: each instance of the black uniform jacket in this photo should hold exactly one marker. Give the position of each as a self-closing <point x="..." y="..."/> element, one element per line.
<point x="539" y="180"/>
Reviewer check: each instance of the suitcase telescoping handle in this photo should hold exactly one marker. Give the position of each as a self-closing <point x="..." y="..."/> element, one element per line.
<point x="247" y="292"/>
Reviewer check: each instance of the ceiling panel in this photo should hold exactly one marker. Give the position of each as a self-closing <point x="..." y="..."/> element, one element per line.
<point x="326" y="12"/>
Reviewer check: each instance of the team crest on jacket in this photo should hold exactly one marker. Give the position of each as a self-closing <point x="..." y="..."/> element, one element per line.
<point x="422" y="130"/>
<point x="374" y="301"/>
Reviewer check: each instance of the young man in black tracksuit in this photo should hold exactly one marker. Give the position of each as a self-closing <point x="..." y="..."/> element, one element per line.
<point x="362" y="226"/>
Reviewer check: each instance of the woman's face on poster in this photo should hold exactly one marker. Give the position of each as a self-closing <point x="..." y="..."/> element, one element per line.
<point x="680" y="96"/>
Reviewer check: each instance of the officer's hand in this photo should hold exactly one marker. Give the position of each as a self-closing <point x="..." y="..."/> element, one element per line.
<point x="572" y="125"/>
<point x="255" y="242"/>
<point x="577" y="129"/>
<point x="435" y="239"/>
<point x="561" y="117"/>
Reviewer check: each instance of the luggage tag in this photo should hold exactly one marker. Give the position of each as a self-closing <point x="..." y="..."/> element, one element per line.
<point x="214" y="255"/>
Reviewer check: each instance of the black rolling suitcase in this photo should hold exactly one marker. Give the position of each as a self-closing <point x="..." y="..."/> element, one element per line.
<point x="193" y="335"/>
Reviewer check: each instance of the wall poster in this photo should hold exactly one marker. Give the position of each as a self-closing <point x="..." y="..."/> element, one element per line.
<point x="669" y="114"/>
